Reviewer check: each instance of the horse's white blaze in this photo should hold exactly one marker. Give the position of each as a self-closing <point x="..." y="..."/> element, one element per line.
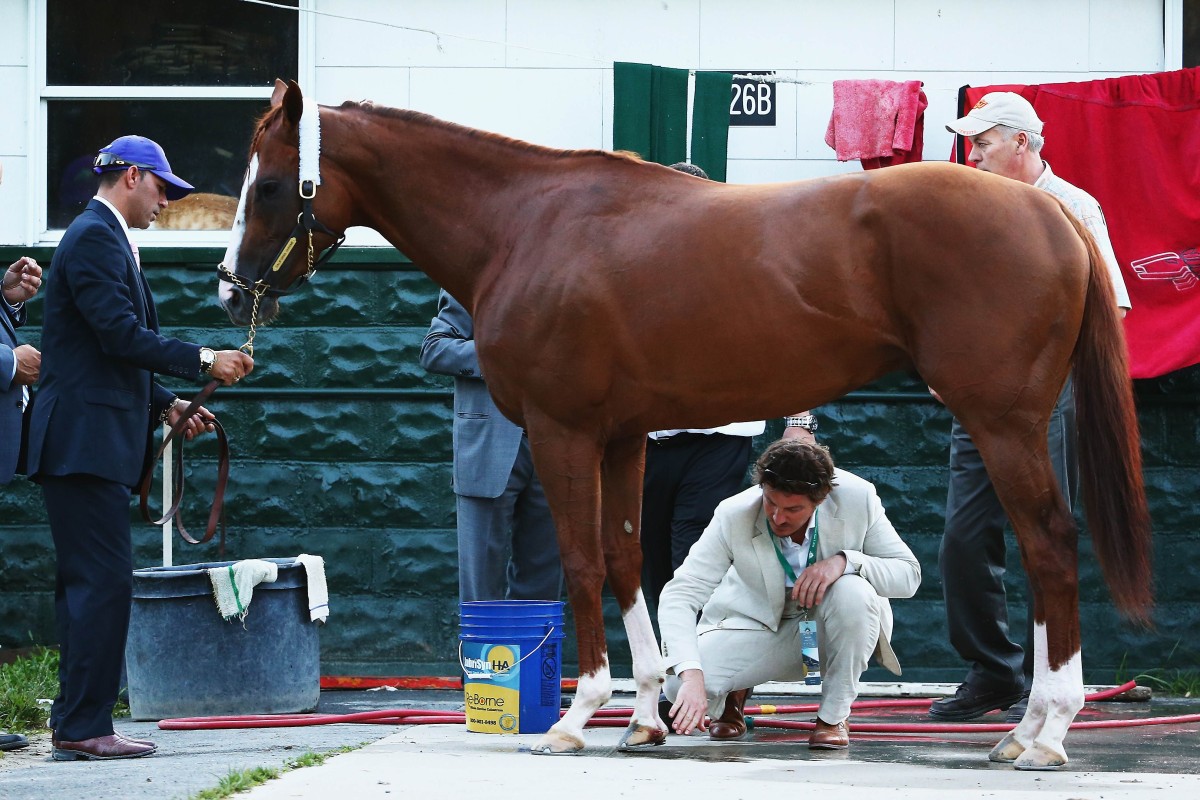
<point x="225" y="289"/>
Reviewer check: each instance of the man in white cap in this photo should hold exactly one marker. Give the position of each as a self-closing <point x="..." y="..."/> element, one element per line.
<point x="91" y="428"/>
<point x="1006" y="139"/>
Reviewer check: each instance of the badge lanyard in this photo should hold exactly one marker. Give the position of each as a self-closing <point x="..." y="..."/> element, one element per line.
<point x="808" y="630"/>
<point x="812" y="548"/>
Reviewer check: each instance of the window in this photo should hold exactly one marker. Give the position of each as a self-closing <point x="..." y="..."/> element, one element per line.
<point x="1191" y="33"/>
<point x="191" y="75"/>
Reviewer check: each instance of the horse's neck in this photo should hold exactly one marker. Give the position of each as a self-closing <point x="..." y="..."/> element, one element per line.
<point x="443" y="197"/>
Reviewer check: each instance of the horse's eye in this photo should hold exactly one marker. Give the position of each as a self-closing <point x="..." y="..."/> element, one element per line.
<point x="267" y="189"/>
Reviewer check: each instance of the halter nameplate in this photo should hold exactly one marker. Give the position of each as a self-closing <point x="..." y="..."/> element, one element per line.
<point x="283" y="254"/>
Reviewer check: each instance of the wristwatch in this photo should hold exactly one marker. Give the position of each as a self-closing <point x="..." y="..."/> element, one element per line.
<point x="806" y="421"/>
<point x="207" y="359"/>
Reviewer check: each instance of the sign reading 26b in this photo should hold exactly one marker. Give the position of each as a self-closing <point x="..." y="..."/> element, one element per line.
<point x="752" y="102"/>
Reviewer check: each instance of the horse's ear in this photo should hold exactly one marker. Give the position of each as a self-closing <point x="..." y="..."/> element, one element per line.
<point x="293" y="103"/>
<point x="277" y="95"/>
<point x="289" y="96"/>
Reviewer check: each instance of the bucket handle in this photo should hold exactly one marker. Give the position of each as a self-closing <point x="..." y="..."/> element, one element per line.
<point x="489" y="675"/>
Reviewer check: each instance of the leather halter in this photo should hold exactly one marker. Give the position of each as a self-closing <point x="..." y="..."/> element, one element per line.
<point x="306" y="224"/>
<point x="306" y="220"/>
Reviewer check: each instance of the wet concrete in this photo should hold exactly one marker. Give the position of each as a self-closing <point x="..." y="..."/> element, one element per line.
<point x="448" y="761"/>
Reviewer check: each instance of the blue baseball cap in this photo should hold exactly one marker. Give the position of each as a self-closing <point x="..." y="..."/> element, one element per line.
<point x="143" y="153"/>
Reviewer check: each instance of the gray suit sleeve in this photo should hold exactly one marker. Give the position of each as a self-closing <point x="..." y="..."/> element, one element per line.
<point x="8" y="367"/>
<point x="449" y="346"/>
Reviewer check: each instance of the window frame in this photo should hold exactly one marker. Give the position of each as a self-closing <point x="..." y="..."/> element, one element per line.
<point x="1172" y="35"/>
<point x="41" y="94"/>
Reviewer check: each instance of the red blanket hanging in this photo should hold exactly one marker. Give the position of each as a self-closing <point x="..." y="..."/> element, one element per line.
<point x="1133" y="143"/>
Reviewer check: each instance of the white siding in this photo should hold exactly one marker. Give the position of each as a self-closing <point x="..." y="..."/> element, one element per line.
<point x="542" y="69"/>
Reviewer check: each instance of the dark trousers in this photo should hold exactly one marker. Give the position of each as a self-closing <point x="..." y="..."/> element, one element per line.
<point x="507" y="546"/>
<point x="686" y="477"/>
<point x="972" y="556"/>
<point x="89" y="520"/>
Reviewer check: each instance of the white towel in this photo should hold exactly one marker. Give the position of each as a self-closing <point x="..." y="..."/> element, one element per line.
<point x="318" y="593"/>
<point x="233" y="586"/>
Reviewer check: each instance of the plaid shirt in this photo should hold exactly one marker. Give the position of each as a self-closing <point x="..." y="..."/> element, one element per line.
<point x="1087" y="211"/>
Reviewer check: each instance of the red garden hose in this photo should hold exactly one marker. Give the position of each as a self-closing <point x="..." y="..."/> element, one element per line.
<point x="619" y="718"/>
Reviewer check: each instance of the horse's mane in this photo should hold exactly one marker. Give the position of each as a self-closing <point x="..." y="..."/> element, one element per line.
<point x="261" y="126"/>
<point x="407" y="115"/>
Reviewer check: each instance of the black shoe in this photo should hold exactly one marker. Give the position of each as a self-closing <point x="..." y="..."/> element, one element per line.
<point x="1017" y="710"/>
<point x="970" y="702"/>
<point x="12" y="741"/>
<point x="664" y="711"/>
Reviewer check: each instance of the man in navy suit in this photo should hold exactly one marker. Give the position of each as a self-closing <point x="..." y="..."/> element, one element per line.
<point x="90" y="433"/>
<point x="19" y="365"/>
<point x="501" y="506"/>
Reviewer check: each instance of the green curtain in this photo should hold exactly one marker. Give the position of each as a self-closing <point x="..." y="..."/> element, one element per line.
<point x="710" y="123"/>
<point x="650" y="111"/>
<point x="650" y="115"/>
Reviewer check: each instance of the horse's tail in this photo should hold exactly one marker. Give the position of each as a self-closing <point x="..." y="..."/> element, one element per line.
<point x="1110" y="445"/>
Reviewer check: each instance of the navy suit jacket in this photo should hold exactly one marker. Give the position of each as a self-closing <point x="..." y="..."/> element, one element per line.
<point x="10" y="393"/>
<point x="485" y="441"/>
<point x="97" y="402"/>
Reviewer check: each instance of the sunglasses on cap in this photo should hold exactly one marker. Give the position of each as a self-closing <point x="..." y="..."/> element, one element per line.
<point x="110" y="160"/>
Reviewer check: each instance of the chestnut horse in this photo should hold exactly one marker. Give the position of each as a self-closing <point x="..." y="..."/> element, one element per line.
<point x="612" y="297"/>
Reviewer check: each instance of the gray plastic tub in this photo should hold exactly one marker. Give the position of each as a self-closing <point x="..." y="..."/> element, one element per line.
<point x="184" y="660"/>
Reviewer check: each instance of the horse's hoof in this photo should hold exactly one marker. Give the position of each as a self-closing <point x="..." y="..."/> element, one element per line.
<point x="1040" y="757"/>
<point x="1008" y="751"/>
<point x="641" y="737"/>
<point x="556" y="743"/>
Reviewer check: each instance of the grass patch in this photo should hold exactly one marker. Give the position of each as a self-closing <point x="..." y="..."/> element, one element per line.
<point x="1168" y="680"/>
<point x="22" y="684"/>
<point x="243" y="780"/>
<point x="1174" y="682"/>
<point x="26" y="680"/>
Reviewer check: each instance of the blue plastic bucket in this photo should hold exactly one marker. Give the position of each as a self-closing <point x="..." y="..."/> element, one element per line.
<point x="511" y="656"/>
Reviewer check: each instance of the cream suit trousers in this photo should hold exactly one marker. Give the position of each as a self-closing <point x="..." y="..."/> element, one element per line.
<point x="848" y="624"/>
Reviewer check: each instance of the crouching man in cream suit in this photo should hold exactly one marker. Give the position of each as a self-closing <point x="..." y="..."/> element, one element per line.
<point x="807" y="542"/>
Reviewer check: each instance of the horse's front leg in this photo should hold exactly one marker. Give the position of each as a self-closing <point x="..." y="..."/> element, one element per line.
<point x="620" y="520"/>
<point x="568" y="465"/>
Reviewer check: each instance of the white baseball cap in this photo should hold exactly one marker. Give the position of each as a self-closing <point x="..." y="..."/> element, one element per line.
<point x="998" y="108"/>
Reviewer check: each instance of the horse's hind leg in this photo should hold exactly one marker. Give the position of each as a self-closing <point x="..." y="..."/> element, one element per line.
<point x="568" y="464"/>
<point x="620" y="521"/>
<point x="1019" y="466"/>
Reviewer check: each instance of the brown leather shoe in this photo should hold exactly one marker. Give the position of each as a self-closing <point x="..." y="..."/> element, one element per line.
<point x="732" y="724"/>
<point x="147" y="742"/>
<point x="829" y="737"/>
<point x="101" y="748"/>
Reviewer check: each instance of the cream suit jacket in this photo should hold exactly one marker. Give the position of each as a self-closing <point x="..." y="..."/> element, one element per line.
<point x="733" y="578"/>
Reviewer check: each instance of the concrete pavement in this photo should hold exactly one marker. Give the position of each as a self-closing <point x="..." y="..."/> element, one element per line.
<point x="447" y="761"/>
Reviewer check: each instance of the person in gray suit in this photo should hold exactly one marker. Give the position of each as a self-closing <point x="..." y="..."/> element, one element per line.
<point x="808" y="542"/>
<point x="19" y="367"/>
<point x="19" y="363"/>
<point x="507" y="546"/>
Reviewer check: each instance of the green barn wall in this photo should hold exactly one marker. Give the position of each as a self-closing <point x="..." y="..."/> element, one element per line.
<point x="341" y="447"/>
